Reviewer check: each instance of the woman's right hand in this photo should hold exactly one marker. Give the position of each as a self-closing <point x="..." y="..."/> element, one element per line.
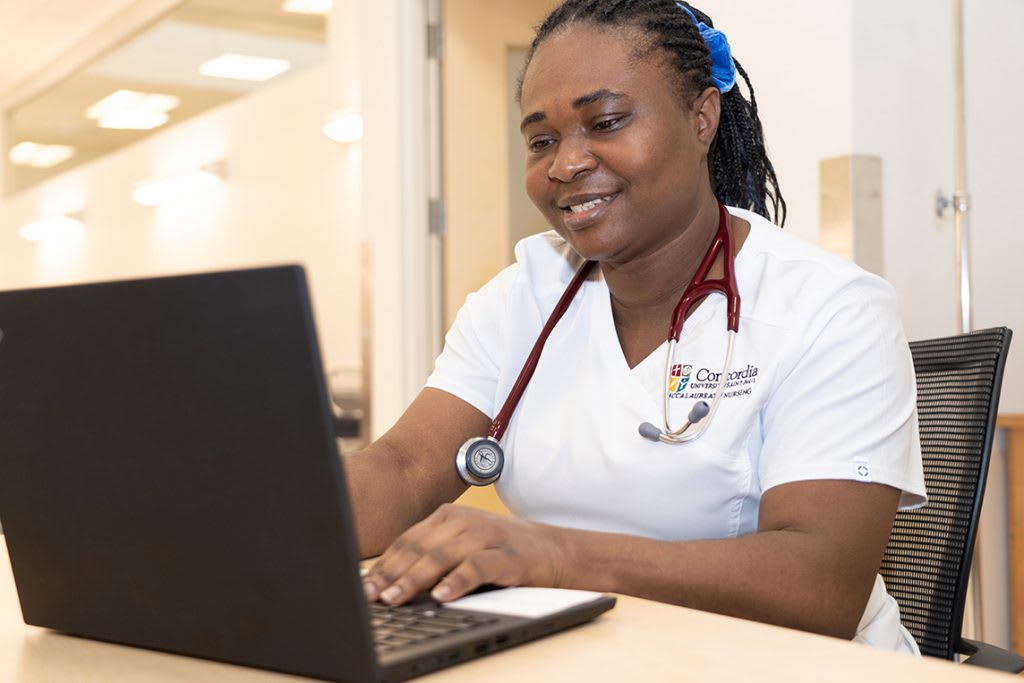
<point x="457" y="549"/>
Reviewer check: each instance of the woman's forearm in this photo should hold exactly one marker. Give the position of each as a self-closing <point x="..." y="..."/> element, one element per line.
<point x="384" y="499"/>
<point x="405" y="475"/>
<point x="788" y="578"/>
<point x="811" y="565"/>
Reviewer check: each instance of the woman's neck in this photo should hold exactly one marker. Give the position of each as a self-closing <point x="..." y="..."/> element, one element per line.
<point x="645" y="290"/>
<point x="656" y="279"/>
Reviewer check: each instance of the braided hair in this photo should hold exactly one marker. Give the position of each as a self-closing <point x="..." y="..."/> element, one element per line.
<point x="741" y="173"/>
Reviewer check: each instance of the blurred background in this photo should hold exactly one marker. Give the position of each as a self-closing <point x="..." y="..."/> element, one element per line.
<point x="376" y="143"/>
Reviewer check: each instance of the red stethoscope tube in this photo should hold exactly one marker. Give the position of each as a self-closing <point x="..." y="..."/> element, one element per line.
<point x="501" y="420"/>
<point x="698" y="288"/>
<point x="480" y="460"/>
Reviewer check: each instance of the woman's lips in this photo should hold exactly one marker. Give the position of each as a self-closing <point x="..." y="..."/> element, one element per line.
<point x="587" y="213"/>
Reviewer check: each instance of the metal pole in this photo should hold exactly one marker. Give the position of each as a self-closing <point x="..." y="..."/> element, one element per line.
<point x="961" y="199"/>
<point x="961" y="223"/>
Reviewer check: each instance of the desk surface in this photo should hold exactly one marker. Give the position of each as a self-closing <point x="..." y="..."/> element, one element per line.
<point x="638" y="638"/>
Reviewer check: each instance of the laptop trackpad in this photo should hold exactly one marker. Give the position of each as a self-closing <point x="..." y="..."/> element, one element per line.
<point x="524" y="601"/>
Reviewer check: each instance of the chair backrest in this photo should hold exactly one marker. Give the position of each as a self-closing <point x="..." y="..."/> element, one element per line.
<point x="928" y="559"/>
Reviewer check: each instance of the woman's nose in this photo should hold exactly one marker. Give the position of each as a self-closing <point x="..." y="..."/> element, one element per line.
<point x="572" y="158"/>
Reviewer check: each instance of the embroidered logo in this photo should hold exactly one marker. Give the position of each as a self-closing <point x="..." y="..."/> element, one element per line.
<point x="705" y="382"/>
<point x="678" y="378"/>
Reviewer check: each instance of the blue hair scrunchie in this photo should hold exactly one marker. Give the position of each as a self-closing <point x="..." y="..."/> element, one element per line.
<point x="723" y="70"/>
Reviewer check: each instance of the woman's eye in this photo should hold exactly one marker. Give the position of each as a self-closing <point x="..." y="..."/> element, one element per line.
<point x="608" y="124"/>
<point x="538" y="144"/>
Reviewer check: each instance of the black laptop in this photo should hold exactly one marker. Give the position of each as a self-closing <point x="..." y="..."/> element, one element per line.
<point x="170" y="479"/>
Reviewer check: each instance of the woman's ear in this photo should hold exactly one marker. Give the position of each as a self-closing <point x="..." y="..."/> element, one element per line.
<point x="707" y="110"/>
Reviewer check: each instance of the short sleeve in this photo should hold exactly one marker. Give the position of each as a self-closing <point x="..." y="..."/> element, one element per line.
<point x="846" y="405"/>
<point x="470" y="364"/>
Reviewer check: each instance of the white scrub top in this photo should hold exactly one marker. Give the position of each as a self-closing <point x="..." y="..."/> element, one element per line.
<point x="821" y="387"/>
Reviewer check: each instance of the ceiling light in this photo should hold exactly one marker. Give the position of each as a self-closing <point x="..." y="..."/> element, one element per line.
<point x="134" y="120"/>
<point x="244" y="67"/>
<point x="131" y="110"/>
<point x="55" y="228"/>
<point x="307" y="6"/>
<point x="39" y="155"/>
<point x="344" y="126"/>
<point x="171" y="188"/>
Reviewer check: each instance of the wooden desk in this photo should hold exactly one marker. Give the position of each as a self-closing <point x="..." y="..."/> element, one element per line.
<point x="638" y="640"/>
<point x="1014" y="426"/>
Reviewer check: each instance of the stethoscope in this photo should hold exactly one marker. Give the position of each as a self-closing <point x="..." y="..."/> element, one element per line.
<point x="480" y="460"/>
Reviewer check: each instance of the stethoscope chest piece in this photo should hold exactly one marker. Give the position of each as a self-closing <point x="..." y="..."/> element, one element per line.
<point x="479" y="461"/>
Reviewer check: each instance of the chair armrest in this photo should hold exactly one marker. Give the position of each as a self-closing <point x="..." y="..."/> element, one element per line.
<point x="990" y="656"/>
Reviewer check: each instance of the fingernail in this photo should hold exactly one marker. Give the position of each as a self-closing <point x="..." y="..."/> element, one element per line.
<point x="391" y="594"/>
<point x="370" y="590"/>
<point x="441" y="593"/>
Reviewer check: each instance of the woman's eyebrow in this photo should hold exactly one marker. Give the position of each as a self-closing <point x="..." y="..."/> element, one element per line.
<point x="578" y="103"/>
<point x="596" y="96"/>
<point x="535" y="117"/>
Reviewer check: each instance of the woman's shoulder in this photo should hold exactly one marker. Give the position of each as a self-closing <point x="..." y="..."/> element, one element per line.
<point x="545" y="263"/>
<point x="543" y="266"/>
<point x="785" y="273"/>
<point x="772" y="243"/>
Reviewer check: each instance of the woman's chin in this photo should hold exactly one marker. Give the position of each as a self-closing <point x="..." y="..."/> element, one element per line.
<point x="592" y="245"/>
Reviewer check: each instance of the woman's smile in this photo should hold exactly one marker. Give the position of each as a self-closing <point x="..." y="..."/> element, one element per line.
<point x="581" y="212"/>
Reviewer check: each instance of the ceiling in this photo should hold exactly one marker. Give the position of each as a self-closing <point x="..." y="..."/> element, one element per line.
<point x="34" y="33"/>
<point x="163" y="59"/>
<point x="253" y="16"/>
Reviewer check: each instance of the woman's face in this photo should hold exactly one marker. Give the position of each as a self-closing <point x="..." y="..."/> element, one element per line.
<point x="615" y="161"/>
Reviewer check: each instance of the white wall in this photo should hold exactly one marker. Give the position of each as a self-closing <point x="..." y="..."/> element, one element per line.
<point x="798" y="55"/>
<point x="904" y="112"/>
<point x="875" y="77"/>
<point x="995" y="176"/>
<point x="291" y="195"/>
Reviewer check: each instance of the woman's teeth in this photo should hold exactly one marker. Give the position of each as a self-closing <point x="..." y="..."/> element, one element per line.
<point x="587" y="206"/>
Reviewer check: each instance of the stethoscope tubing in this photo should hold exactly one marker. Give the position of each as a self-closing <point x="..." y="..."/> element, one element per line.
<point x="501" y="420"/>
<point x="489" y="469"/>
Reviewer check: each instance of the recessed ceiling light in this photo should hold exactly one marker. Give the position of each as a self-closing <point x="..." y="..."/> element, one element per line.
<point x="128" y="109"/>
<point x="39" y="155"/>
<point x="134" y="120"/>
<point x="244" y="67"/>
<point x="307" y="6"/>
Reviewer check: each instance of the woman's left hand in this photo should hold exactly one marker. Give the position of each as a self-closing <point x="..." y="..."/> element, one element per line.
<point x="457" y="549"/>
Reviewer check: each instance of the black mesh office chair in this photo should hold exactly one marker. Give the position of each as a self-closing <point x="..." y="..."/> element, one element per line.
<point x="928" y="558"/>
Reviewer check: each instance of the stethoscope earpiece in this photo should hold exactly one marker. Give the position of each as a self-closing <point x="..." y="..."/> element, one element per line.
<point x="650" y="432"/>
<point x="479" y="461"/>
<point x="698" y="412"/>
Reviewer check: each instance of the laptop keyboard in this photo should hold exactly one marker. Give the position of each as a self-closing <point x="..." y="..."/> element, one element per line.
<point x="396" y="627"/>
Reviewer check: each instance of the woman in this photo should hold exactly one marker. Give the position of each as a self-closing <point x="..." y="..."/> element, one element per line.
<point x="781" y="509"/>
